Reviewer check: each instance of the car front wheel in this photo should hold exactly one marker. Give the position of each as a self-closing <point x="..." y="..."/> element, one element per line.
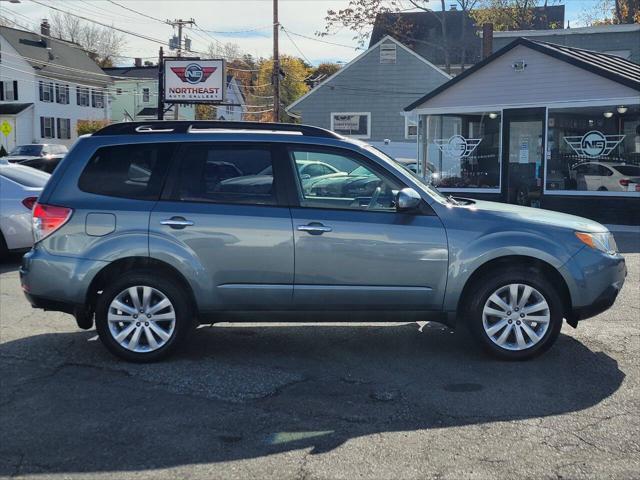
<point x="516" y="315"/>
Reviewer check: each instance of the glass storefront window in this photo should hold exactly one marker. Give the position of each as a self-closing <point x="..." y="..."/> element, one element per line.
<point x="594" y="149"/>
<point x="461" y="151"/>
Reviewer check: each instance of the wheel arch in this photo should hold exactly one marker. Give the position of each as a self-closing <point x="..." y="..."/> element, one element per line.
<point x="127" y="264"/>
<point x="511" y="261"/>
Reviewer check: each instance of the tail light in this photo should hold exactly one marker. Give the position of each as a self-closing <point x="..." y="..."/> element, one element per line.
<point x="624" y="182"/>
<point x="29" y="202"/>
<point x="47" y="219"/>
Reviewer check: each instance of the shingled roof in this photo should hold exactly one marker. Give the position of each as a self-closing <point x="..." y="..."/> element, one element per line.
<point x="55" y="58"/>
<point x="606" y="65"/>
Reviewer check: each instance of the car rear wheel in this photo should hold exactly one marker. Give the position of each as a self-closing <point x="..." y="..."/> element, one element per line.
<point x="142" y="317"/>
<point x="515" y="314"/>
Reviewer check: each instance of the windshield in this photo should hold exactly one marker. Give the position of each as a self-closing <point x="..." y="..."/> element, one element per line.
<point x="29" y="150"/>
<point x="427" y="186"/>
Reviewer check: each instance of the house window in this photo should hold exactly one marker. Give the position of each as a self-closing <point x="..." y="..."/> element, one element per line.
<point x="64" y="128"/>
<point x="410" y="127"/>
<point x="352" y="124"/>
<point x="62" y="94"/>
<point x="145" y="95"/>
<point x="47" y="129"/>
<point x="9" y="90"/>
<point x="97" y="98"/>
<point x="593" y="151"/>
<point x="230" y="110"/>
<point x="462" y="151"/>
<point x="82" y="96"/>
<point x="46" y="91"/>
<point x="388" y="53"/>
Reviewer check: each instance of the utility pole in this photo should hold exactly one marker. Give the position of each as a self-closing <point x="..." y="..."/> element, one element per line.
<point x="179" y="23"/>
<point x="276" y="64"/>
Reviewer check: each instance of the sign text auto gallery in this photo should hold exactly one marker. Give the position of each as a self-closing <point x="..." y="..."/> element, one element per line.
<point x="539" y="125"/>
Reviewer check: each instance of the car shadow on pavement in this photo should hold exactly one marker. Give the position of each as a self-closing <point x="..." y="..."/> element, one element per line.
<point x="242" y="392"/>
<point x="10" y="262"/>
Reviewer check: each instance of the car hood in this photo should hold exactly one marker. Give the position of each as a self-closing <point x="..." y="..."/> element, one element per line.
<point x="537" y="216"/>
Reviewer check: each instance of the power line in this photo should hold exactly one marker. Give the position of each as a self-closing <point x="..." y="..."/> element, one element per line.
<point x="139" y="13"/>
<point x="322" y="41"/>
<point x="296" y="45"/>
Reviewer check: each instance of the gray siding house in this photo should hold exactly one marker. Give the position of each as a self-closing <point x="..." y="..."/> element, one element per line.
<point x="365" y="99"/>
<point x="621" y="40"/>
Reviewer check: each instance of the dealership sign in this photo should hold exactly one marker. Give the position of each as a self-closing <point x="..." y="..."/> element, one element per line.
<point x="457" y="146"/>
<point x="194" y="81"/>
<point x="594" y="144"/>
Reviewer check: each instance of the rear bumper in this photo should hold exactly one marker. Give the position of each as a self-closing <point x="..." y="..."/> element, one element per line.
<point x="54" y="282"/>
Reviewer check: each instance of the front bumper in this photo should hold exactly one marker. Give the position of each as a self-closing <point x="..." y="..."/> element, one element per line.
<point x="595" y="280"/>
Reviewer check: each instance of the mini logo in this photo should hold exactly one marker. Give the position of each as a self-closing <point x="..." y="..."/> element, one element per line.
<point x="193" y="73"/>
<point x="594" y="144"/>
<point x="457" y="146"/>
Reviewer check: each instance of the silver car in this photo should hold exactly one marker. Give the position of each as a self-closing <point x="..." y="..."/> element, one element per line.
<point x="19" y="189"/>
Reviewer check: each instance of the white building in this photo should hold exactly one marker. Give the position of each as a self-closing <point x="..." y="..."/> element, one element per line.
<point x="46" y="87"/>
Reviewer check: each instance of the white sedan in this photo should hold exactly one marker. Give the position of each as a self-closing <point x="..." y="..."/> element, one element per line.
<point x="607" y="176"/>
<point x="19" y="190"/>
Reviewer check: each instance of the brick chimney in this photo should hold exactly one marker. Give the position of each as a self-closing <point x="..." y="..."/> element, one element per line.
<point x="45" y="28"/>
<point x="138" y="62"/>
<point x="487" y="39"/>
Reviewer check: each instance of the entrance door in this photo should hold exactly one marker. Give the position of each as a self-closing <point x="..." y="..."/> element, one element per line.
<point x="523" y="156"/>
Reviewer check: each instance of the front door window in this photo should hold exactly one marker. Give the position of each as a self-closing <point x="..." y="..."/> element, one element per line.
<point x="524" y="162"/>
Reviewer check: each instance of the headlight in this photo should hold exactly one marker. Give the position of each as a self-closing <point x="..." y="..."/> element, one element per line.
<point x="602" y="241"/>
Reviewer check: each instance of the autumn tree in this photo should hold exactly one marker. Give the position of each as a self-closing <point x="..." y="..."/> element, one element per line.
<point x="611" y="12"/>
<point x="513" y="14"/>
<point x="294" y="74"/>
<point x="104" y="45"/>
<point x="322" y="72"/>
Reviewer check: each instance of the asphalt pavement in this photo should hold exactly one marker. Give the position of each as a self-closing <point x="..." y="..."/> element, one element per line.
<point x="323" y="401"/>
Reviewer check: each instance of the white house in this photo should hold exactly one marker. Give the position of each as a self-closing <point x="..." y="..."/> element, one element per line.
<point x="46" y="87"/>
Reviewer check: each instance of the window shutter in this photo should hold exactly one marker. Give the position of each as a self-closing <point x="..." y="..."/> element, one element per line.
<point x="41" y="90"/>
<point x="58" y="127"/>
<point x="41" y="127"/>
<point x="66" y="89"/>
<point x="68" y="128"/>
<point x="78" y="95"/>
<point x="57" y="93"/>
<point x="15" y="90"/>
<point x="1" y="91"/>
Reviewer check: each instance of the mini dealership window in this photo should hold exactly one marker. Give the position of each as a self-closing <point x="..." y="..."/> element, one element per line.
<point x="594" y="150"/>
<point x="462" y="150"/>
<point x="356" y="125"/>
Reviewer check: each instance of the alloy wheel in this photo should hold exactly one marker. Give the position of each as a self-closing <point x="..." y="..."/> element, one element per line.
<point x="141" y="319"/>
<point x="516" y="316"/>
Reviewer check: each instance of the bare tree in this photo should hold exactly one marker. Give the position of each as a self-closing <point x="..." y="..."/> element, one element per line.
<point x="103" y="44"/>
<point x="229" y="51"/>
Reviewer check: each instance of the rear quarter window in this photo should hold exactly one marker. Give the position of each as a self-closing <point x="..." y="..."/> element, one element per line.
<point x="128" y="171"/>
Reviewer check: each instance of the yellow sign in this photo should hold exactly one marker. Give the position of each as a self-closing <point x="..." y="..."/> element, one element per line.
<point x="5" y="128"/>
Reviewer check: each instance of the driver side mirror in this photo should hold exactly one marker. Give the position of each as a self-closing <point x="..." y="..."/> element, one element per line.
<point x="407" y="199"/>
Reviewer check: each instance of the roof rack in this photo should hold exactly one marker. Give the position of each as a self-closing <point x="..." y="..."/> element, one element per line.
<point x="161" y="126"/>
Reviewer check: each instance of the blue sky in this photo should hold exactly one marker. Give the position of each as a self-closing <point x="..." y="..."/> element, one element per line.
<point x="244" y="22"/>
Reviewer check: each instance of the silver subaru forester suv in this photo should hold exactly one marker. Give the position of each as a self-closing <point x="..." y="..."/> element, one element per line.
<point x="148" y="229"/>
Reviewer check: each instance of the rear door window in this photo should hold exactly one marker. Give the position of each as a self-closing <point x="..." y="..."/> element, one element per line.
<point x="129" y="171"/>
<point x="226" y="174"/>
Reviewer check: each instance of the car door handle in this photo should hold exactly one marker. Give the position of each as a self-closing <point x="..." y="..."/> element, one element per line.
<point x="314" y="228"/>
<point x="177" y="222"/>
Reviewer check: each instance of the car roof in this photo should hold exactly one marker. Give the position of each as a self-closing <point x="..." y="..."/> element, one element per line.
<point x="17" y="172"/>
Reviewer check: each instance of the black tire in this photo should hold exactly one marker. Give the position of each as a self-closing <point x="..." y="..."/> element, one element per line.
<point x="184" y="315"/>
<point x="484" y="287"/>
<point x="4" y="250"/>
<point x="602" y="189"/>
